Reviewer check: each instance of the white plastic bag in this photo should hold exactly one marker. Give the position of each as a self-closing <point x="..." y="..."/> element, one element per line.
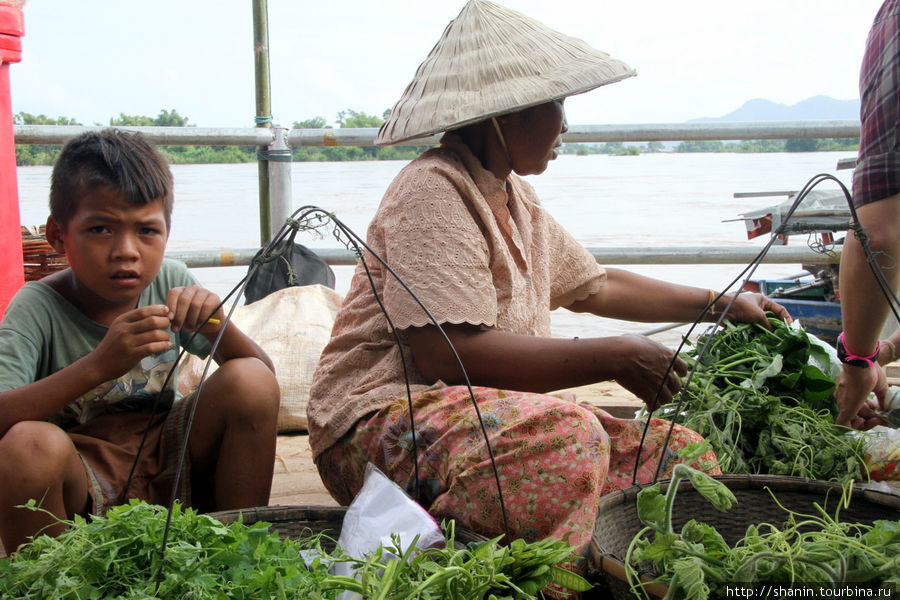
<point x="890" y="413"/>
<point x="379" y="512"/>
<point x="382" y="509"/>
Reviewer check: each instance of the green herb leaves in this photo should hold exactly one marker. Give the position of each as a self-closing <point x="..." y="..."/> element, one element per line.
<point x="697" y="563"/>
<point x="519" y="570"/>
<point x="760" y="399"/>
<point x="118" y="557"/>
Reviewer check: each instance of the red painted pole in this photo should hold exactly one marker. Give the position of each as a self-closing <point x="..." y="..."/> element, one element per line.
<point x="12" y="277"/>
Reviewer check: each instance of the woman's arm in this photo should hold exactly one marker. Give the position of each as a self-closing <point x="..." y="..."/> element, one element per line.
<point x="511" y="361"/>
<point x="633" y="297"/>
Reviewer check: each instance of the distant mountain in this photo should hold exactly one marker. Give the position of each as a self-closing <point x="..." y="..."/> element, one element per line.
<point x="817" y="108"/>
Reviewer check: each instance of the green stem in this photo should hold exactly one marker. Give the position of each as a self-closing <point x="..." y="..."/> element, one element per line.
<point x="677" y="475"/>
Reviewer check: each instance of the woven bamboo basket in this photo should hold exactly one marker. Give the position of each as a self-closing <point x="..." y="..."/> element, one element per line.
<point x="302" y="521"/>
<point x="617" y="521"/>
<point x="39" y="258"/>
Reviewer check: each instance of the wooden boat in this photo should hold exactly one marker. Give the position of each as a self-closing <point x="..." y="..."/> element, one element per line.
<point x="809" y="299"/>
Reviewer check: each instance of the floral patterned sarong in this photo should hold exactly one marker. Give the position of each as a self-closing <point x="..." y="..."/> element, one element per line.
<point x="554" y="458"/>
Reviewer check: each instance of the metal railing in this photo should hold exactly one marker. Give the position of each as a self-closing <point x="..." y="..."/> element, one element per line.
<point x="662" y="255"/>
<point x="276" y="143"/>
<point x="304" y="138"/>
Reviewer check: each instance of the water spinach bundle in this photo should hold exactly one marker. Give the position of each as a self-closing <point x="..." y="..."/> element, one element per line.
<point x="118" y="557"/>
<point x="810" y="553"/>
<point x="764" y="402"/>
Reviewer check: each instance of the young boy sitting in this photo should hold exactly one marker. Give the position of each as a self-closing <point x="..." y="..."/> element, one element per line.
<point x="86" y="351"/>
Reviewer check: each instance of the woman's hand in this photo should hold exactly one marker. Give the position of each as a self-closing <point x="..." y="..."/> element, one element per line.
<point x="644" y="370"/>
<point x="751" y="308"/>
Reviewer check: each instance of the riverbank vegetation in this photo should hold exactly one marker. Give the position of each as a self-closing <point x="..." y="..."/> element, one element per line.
<point x="44" y="154"/>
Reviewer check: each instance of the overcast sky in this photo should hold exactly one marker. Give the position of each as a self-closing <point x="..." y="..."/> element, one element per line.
<point x="93" y="59"/>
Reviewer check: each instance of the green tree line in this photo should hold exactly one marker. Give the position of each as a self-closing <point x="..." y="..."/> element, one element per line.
<point x="352" y="119"/>
<point x="43" y="154"/>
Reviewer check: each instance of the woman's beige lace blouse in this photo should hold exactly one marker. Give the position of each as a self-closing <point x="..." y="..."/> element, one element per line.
<point x="473" y="249"/>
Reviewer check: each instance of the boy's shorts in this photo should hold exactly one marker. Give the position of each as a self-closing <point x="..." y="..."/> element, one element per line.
<point x="109" y="443"/>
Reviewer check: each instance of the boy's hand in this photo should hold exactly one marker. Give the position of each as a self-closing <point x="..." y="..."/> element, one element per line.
<point x="190" y="307"/>
<point x="133" y="336"/>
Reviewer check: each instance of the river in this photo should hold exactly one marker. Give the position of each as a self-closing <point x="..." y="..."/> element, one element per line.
<point x="665" y="199"/>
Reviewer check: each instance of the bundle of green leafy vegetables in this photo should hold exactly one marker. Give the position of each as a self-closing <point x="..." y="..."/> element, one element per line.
<point x="764" y="402"/>
<point x="119" y="556"/>
<point x="809" y="553"/>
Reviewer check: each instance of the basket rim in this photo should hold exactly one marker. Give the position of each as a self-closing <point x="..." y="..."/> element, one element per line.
<point x="279" y="512"/>
<point x="756" y="481"/>
<point x="312" y="512"/>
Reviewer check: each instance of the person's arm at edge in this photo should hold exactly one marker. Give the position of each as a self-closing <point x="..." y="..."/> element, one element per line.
<point x="864" y="309"/>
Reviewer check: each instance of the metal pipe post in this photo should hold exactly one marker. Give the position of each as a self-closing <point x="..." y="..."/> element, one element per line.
<point x="263" y="109"/>
<point x="280" y="192"/>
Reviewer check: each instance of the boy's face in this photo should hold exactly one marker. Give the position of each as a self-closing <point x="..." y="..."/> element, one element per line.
<point x="114" y="248"/>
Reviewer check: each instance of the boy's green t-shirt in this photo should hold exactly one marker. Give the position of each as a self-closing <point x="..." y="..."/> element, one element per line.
<point x="42" y="332"/>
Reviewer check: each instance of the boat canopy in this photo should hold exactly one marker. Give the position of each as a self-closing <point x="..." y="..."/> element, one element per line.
<point x="820" y="211"/>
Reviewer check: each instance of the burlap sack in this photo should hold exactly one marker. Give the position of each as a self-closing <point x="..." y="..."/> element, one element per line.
<point x="292" y="325"/>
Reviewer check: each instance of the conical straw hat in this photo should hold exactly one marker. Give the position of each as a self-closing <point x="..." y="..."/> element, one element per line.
<point x="491" y="61"/>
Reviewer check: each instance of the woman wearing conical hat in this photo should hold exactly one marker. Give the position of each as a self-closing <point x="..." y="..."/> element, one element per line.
<point x="470" y="239"/>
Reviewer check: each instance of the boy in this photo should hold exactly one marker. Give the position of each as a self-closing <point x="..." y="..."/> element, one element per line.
<point x="85" y="351"/>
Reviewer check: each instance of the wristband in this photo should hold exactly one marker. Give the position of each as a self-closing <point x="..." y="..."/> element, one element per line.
<point x="848" y="358"/>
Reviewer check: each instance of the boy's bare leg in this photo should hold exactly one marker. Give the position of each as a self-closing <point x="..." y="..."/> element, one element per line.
<point x="232" y="441"/>
<point x="38" y="460"/>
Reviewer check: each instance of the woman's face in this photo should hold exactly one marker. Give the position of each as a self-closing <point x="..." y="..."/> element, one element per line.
<point x="532" y="136"/>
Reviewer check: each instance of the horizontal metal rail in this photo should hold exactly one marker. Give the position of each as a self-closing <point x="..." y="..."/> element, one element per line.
<point x="669" y="132"/>
<point x="171" y="136"/>
<point x="673" y="255"/>
<point x="303" y="138"/>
